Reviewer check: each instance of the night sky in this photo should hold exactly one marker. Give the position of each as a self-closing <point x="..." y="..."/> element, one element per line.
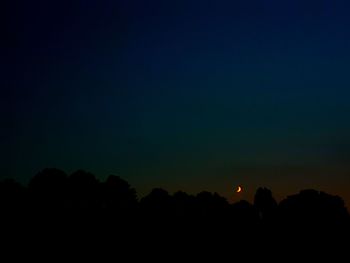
<point x="190" y="95"/>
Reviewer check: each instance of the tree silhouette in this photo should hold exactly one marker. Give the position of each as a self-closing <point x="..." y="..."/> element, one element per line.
<point x="244" y="214"/>
<point x="83" y="190"/>
<point x="158" y="203"/>
<point x="265" y="204"/>
<point x="118" y="195"/>
<point x="185" y="205"/>
<point x="12" y="198"/>
<point x="211" y="206"/>
<point x="49" y="189"/>
<point x="313" y="208"/>
<point x="55" y="204"/>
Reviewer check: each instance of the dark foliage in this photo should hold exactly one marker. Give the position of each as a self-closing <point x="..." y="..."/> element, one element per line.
<point x="79" y="207"/>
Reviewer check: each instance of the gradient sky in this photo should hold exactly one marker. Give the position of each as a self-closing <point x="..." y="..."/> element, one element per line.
<point x="190" y="95"/>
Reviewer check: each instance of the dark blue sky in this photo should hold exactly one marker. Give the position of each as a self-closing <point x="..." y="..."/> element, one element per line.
<point x="191" y="95"/>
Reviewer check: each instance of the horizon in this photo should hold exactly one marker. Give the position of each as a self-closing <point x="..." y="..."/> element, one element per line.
<point x="231" y="197"/>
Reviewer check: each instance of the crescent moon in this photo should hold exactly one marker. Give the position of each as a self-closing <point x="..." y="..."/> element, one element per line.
<point x="239" y="189"/>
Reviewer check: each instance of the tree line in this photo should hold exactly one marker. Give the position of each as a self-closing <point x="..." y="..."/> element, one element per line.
<point x="80" y="208"/>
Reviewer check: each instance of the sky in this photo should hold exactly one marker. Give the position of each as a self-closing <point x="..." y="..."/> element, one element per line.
<point x="184" y="95"/>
